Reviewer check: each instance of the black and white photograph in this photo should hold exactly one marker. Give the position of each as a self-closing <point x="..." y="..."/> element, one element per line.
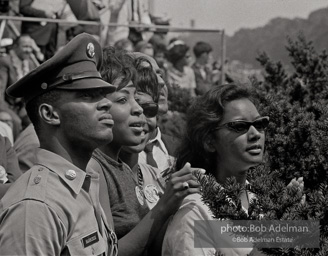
<point x="164" y="127"/>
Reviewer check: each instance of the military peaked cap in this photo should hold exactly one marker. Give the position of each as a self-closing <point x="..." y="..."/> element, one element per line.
<point x="75" y="67"/>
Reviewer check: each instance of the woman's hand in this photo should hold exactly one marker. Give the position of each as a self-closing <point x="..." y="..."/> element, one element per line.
<point x="178" y="186"/>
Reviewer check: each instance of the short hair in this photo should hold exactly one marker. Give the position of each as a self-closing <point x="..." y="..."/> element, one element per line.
<point x="32" y="106"/>
<point x="176" y="51"/>
<point x="146" y="80"/>
<point x="205" y="113"/>
<point x="117" y="64"/>
<point x="17" y="39"/>
<point x="202" y="47"/>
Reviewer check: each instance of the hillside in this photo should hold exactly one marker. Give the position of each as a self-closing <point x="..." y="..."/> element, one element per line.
<point x="245" y="44"/>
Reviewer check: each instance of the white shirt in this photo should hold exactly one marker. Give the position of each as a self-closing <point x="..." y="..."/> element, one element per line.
<point x="160" y="153"/>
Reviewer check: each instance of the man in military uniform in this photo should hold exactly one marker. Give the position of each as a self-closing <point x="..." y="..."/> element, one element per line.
<point x="53" y="208"/>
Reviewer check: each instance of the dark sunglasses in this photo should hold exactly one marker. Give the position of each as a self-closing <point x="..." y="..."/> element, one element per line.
<point x="150" y="109"/>
<point x="260" y="124"/>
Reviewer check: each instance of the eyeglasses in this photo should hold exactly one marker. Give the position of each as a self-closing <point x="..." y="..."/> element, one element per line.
<point x="150" y="109"/>
<point x="260" y="124"/>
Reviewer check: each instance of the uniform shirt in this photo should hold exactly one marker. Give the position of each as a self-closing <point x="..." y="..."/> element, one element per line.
<point x="53" y="209"/>
<point x="160" y="154"/>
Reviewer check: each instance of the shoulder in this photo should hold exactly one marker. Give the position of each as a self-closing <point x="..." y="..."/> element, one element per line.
<point x="32" y="185"/>
<point x="5" y="61"/>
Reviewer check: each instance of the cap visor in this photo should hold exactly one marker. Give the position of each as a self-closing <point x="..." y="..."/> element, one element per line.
<point x="88" y="83"/>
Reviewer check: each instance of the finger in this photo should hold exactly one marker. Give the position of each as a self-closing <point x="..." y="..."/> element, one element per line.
<point x="197" y="171"/>
<point x="186" y="169"/>
<point x="185" y="185"/>
<point x="181" y="179"/>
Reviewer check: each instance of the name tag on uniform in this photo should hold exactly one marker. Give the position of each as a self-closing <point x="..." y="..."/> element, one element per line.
<point x="90" y="239"/>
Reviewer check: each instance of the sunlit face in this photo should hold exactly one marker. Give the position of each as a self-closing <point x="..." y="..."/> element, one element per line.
<point x="237" y="152"/>
<point x="24" y="47"/>
<point x="150" y="124"/>
<point x="127" y="115"/>
<point x="84" y="117"/>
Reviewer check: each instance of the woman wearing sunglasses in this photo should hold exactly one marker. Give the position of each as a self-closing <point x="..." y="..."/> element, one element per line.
<point x="225" y="135"/>
<point x="120" y="188"/>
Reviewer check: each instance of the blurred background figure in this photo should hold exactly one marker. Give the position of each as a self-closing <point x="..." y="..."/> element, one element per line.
<point x="44" y="33"/>
<point x="9" y="169"/>
<point x="124" y="44"/>
<point x="144" y="47"/>
<point x="179" y="73"/>
<point x="87" y="10"/>
<point x="20" y="60"/>
<point x="202" y="67"/>
<point x="134" y="12"/>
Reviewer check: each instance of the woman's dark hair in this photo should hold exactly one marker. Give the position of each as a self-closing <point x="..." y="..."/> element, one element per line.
<point x="176" y="51"/>
<point x="146" y="79"/>
<point x="117" y="64"/>
<point x="205" y="113"/>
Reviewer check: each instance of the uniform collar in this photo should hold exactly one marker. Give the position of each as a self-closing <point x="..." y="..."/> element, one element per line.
<point x="61" y="166"/>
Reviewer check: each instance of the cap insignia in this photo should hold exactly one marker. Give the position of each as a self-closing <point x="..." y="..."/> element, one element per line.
<point x="90" y="50"/>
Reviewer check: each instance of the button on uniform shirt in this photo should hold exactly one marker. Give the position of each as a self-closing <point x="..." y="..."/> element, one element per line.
<point x="54" y="209"/>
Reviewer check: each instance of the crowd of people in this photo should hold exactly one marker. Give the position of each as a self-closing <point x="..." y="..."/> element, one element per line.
<point x="86" y="170"/>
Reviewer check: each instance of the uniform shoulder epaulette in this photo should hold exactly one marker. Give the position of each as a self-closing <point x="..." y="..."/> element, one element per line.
<point x="37" y="184"/>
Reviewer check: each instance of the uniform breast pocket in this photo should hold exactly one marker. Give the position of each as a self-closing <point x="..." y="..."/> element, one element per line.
<point x="90" y="243"/>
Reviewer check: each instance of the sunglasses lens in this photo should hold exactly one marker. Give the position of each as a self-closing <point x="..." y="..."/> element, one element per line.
<point x="261" y="124"/>
<point x="149" y="109"/>
<point x="239" y="126"/>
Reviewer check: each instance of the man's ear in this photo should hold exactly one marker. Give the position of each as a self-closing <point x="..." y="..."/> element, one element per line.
<point x="209" y="144"/>
<point x="48" y="114"/>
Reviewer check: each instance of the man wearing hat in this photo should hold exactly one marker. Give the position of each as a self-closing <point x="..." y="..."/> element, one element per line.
<point x="53" y="208"/>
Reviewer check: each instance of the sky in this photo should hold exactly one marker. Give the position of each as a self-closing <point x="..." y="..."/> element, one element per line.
<point x="232" y="15"/>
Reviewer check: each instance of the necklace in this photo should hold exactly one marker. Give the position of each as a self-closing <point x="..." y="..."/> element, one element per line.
<point x="139" y="188"/>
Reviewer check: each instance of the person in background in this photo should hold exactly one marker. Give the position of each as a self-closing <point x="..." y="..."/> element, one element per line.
<point x="87" y="10"/>
<point x="6" y="126"/>
<point x="124" y="44"/>
<point x="26" y="146"/>
<point x="54" y="208"/>
<point x="44" y="33"/>
<point x="17" y="63"/>
<point x="135" y="225"/>
<point x="225" y="134"/>
<point x="202" y="67"/>
<point x="159" y="55"/>
<point x="178" y="72"/>
<point x="144" y="47"/>
<point x="9" y="169"/>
